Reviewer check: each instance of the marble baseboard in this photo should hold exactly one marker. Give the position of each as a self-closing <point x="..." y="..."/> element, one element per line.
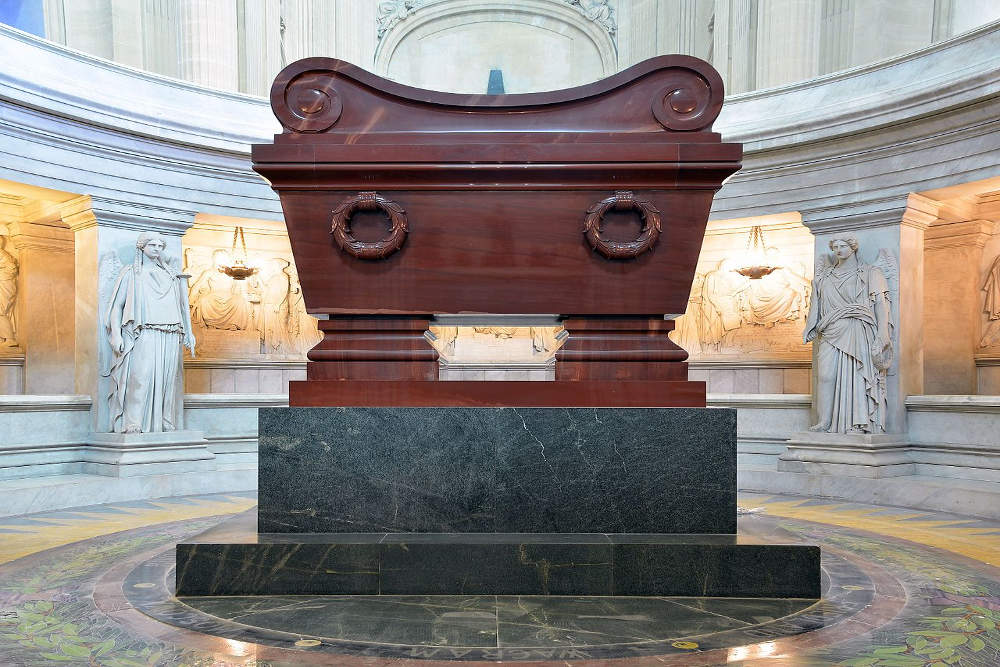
<point x="966" y="497"/>
<point x="497" y="470"/>
<point x="28" y="495"/>
<point x="233" y="559"/>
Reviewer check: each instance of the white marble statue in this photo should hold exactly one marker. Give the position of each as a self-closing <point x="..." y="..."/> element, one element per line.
<point x="147" y="324"/>
<point x="850" y="319"/>
<point x="8" y="295"/>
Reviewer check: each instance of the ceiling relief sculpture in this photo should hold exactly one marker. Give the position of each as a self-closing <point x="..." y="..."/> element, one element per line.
<point x="262" y="316"/>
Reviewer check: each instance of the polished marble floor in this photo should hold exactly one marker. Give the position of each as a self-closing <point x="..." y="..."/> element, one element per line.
<point x="92" y="586"/>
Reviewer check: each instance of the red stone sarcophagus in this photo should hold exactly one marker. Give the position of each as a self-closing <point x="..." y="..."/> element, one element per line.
<point x="589" y="203"/>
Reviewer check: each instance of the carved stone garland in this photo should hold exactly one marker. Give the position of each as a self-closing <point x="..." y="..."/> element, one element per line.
<point x="623" y="200"/>
<point x="369" y="201"/>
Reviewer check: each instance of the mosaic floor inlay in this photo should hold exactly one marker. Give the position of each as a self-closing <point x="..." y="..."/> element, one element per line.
<point x="93" y="586"/>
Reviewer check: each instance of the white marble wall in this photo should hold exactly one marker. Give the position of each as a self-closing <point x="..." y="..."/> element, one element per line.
<point x="853" y="146"/>
<point x="448" y="44"/>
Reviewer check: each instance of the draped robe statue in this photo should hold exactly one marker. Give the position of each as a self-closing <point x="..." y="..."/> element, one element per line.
<point x="850" y="319"/>
<point x="146" y="324"/>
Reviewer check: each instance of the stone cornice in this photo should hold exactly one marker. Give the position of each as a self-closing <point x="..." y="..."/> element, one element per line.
<point x="246" y="364"/>
<point x="968" y="233"/>
<point x="87" y="211"/>
<point x="206" y="401"/>
<point x="954" y="403"/>
<point x="958" y="70"/>
<point x="747" y="362"/>
<point x="40" y="403"/>
<point x="764" y="401"/>
<point x="913" y="210"/>
<point x="37" y="236"/>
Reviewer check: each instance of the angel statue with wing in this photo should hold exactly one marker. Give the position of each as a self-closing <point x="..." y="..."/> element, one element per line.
<point x="851" y="319"/>
<point x="146" y="324"/>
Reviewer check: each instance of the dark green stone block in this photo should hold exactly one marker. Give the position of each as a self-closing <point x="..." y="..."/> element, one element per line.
<point x="497" y="470"/>
<point x="490" y="564"/>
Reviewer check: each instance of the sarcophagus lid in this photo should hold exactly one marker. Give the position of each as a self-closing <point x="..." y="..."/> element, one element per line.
<point x="585" y="201"/>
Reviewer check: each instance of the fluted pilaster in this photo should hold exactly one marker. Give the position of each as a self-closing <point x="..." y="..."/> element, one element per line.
<point x="735" y="43"/>
<point x="788" y="37"/>
<point x="259" y="45"/>
<point x="208" y="43"/>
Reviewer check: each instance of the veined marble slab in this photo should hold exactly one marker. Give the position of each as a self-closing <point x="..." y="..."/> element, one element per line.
<point x="497" y="470"/>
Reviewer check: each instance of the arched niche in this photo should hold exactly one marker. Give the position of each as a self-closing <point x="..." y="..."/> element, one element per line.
<point x="538" y="44"/>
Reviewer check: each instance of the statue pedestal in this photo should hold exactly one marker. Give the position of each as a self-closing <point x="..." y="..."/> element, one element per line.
<point x="134" y="454"/>
<point x="495" y="501"/>
<point x="853" y="455"/>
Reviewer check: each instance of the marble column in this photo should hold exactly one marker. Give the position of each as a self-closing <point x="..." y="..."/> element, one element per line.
<point x="788" y="35"/>
<point x="126" y="27"/>
<point x="354" y="26"/>
<point x="260" y="46"/>
<point x="105" y="233"/>
<point x="896" y="227"/>
<point x="952" y="281"/>
<point x="44" y="309"/>
<point x="160" y="30"/>
<point x="734" y="51"/>
<point x="296" y="30"/>
<point x="86" y="25"/>
<point x="637" y="24"/>
<point x="208" y="41"/>
<point x="682" y="26"/>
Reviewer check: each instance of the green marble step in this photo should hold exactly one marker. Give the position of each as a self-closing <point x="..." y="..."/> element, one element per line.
<point x="232" y="559"/>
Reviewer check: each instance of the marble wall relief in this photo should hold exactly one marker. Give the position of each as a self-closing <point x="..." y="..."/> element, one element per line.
<point x="729" y="313"/>
<point x="496" y="344"/>
<point x="145" y="327"/>
<point x="991" y="306"/>
<point x="850" y="323"/>
<point x="8" y="294"/>
<point x="263" y="315"/>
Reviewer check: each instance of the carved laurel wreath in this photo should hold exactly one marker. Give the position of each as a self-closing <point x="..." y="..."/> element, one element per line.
<point x="369" y="201"/>
<point x="623" y="200"/>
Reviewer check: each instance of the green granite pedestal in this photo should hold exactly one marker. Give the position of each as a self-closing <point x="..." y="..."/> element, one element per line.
<point x="495" y="501"/>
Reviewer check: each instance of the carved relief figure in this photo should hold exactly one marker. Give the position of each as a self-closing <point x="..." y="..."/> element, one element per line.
<point x="217" y="301"/>
<point x="687" y="327"/>
<point x="303" y="331"/>
<point x="723" y="304"/>
<point x="781" y="296"/>
<point x="725" y="308"/>
<point x="8" y="295"/>
<point x="991" y="335"/>
<point x="146" y="325"/>
<point x="276" y="315"/>
<point x="850" y="319"/>
<point x="391" y="12"/>
<point x="598" y="11"/>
